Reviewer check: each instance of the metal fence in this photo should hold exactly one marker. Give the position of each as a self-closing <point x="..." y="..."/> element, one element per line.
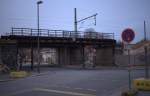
<point x="59" y="33"/>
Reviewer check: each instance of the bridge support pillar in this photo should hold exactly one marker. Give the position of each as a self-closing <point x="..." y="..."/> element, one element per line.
<point x="104" y="57"/>
<point x="32" y="63"/>
<point x="82" y="57"/>
<point x="9" y="55"/>
<point x="64" y="56"/>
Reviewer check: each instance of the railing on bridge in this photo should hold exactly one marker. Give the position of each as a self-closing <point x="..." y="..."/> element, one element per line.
<point x="60" y="33"/>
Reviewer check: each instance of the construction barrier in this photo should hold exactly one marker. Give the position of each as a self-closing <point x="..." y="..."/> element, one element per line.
<point x="18" y="74"/>
<point x="142" y="84"/>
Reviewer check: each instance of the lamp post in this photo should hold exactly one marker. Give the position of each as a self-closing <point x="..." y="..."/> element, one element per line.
<point x="38" y="39"/>
<point x="146" y="54"/>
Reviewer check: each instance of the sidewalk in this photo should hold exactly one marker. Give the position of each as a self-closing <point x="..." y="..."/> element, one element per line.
<point x="6" y="77"/>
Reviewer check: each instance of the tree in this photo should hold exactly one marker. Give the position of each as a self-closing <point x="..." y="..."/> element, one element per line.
<point x="90" y="33"/>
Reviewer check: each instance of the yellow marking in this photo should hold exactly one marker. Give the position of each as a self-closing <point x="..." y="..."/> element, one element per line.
<point x="63" y="92"/>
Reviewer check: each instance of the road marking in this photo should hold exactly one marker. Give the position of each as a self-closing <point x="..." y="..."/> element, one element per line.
<point x="63" y="92"/>
<point x="76" y="88"/>
<point x="84" y="89"/>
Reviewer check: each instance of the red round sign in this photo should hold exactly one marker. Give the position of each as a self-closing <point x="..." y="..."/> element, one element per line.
<point x="128" y="35"/>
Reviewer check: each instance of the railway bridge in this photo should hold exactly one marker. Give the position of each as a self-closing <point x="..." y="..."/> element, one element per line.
<point x="57" y="48"/>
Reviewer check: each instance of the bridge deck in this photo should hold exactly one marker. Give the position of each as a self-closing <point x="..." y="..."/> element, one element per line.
<point x="26" y="36"/>
<point x="59" y="33"/>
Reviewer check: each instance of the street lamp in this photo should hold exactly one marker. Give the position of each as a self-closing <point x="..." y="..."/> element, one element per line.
<point x="146" y="55"/>
<point x="38" y="39"/>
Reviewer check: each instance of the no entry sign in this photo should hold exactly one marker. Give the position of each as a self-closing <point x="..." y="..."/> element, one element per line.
<point x="128" y="35"/>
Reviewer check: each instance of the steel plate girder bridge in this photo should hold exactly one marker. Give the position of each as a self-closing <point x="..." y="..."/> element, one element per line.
<point x="72" y="48"/>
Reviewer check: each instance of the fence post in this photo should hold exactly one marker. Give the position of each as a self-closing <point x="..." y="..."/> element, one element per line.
<point x="63" y="33"/>
<point x="102" y="35"/>
<point x="55" y="34"/>
<point x="31" y="32"/>
<point x="48" y="33"/>
<point x="22" y="31"/>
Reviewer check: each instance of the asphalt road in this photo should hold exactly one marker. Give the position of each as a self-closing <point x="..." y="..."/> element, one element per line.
<point x="71" y="82"/>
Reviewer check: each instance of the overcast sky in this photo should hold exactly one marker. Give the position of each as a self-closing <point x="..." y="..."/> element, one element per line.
<point x="113" y="15"/>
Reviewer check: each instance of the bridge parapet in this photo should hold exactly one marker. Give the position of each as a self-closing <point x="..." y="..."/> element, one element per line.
<point x="59" y="33"/>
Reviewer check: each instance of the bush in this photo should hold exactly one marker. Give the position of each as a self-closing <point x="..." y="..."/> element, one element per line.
<point x="18" y="74"/>
<point x="129" y="93"/>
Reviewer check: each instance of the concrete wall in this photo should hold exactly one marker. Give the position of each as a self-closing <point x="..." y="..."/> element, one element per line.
<point x="76" y="56"/>
<point x="9" y="55"/>
<point x="70" y="56"/>
<point x="0" y="56"/>
<point x="104" y="56"/>
<point x="63" y="56"/>
<point x="123" y="60"/>
<point x="135" y="60"/>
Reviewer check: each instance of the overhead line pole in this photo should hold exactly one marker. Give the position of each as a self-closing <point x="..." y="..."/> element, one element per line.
<point x="75" y="22"/>
<point x="78" y="21"/>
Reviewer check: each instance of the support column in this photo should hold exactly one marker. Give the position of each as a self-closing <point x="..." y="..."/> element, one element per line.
<point x="67" y="56"/>
<point x="94" y="58"/>
<point x="83" y="59"/>
<point x="18" y="67"/>
<point x="21" y="53"/>
<point x="63" y="56"/>
<point x="32" y="63"/>
<point x="113" y="57"/>
<point x="9" y="53"/>
<point x="0" y="56"/>
<point x="60" y="56"/>
<point x="113" y="54"/>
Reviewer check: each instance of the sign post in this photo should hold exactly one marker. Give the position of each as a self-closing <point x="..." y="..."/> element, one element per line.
<point x="145" y="52"/>
<point x="128" y="36"/>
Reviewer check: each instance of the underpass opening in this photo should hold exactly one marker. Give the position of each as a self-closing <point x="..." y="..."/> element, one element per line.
<point x="28" y="57"/>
